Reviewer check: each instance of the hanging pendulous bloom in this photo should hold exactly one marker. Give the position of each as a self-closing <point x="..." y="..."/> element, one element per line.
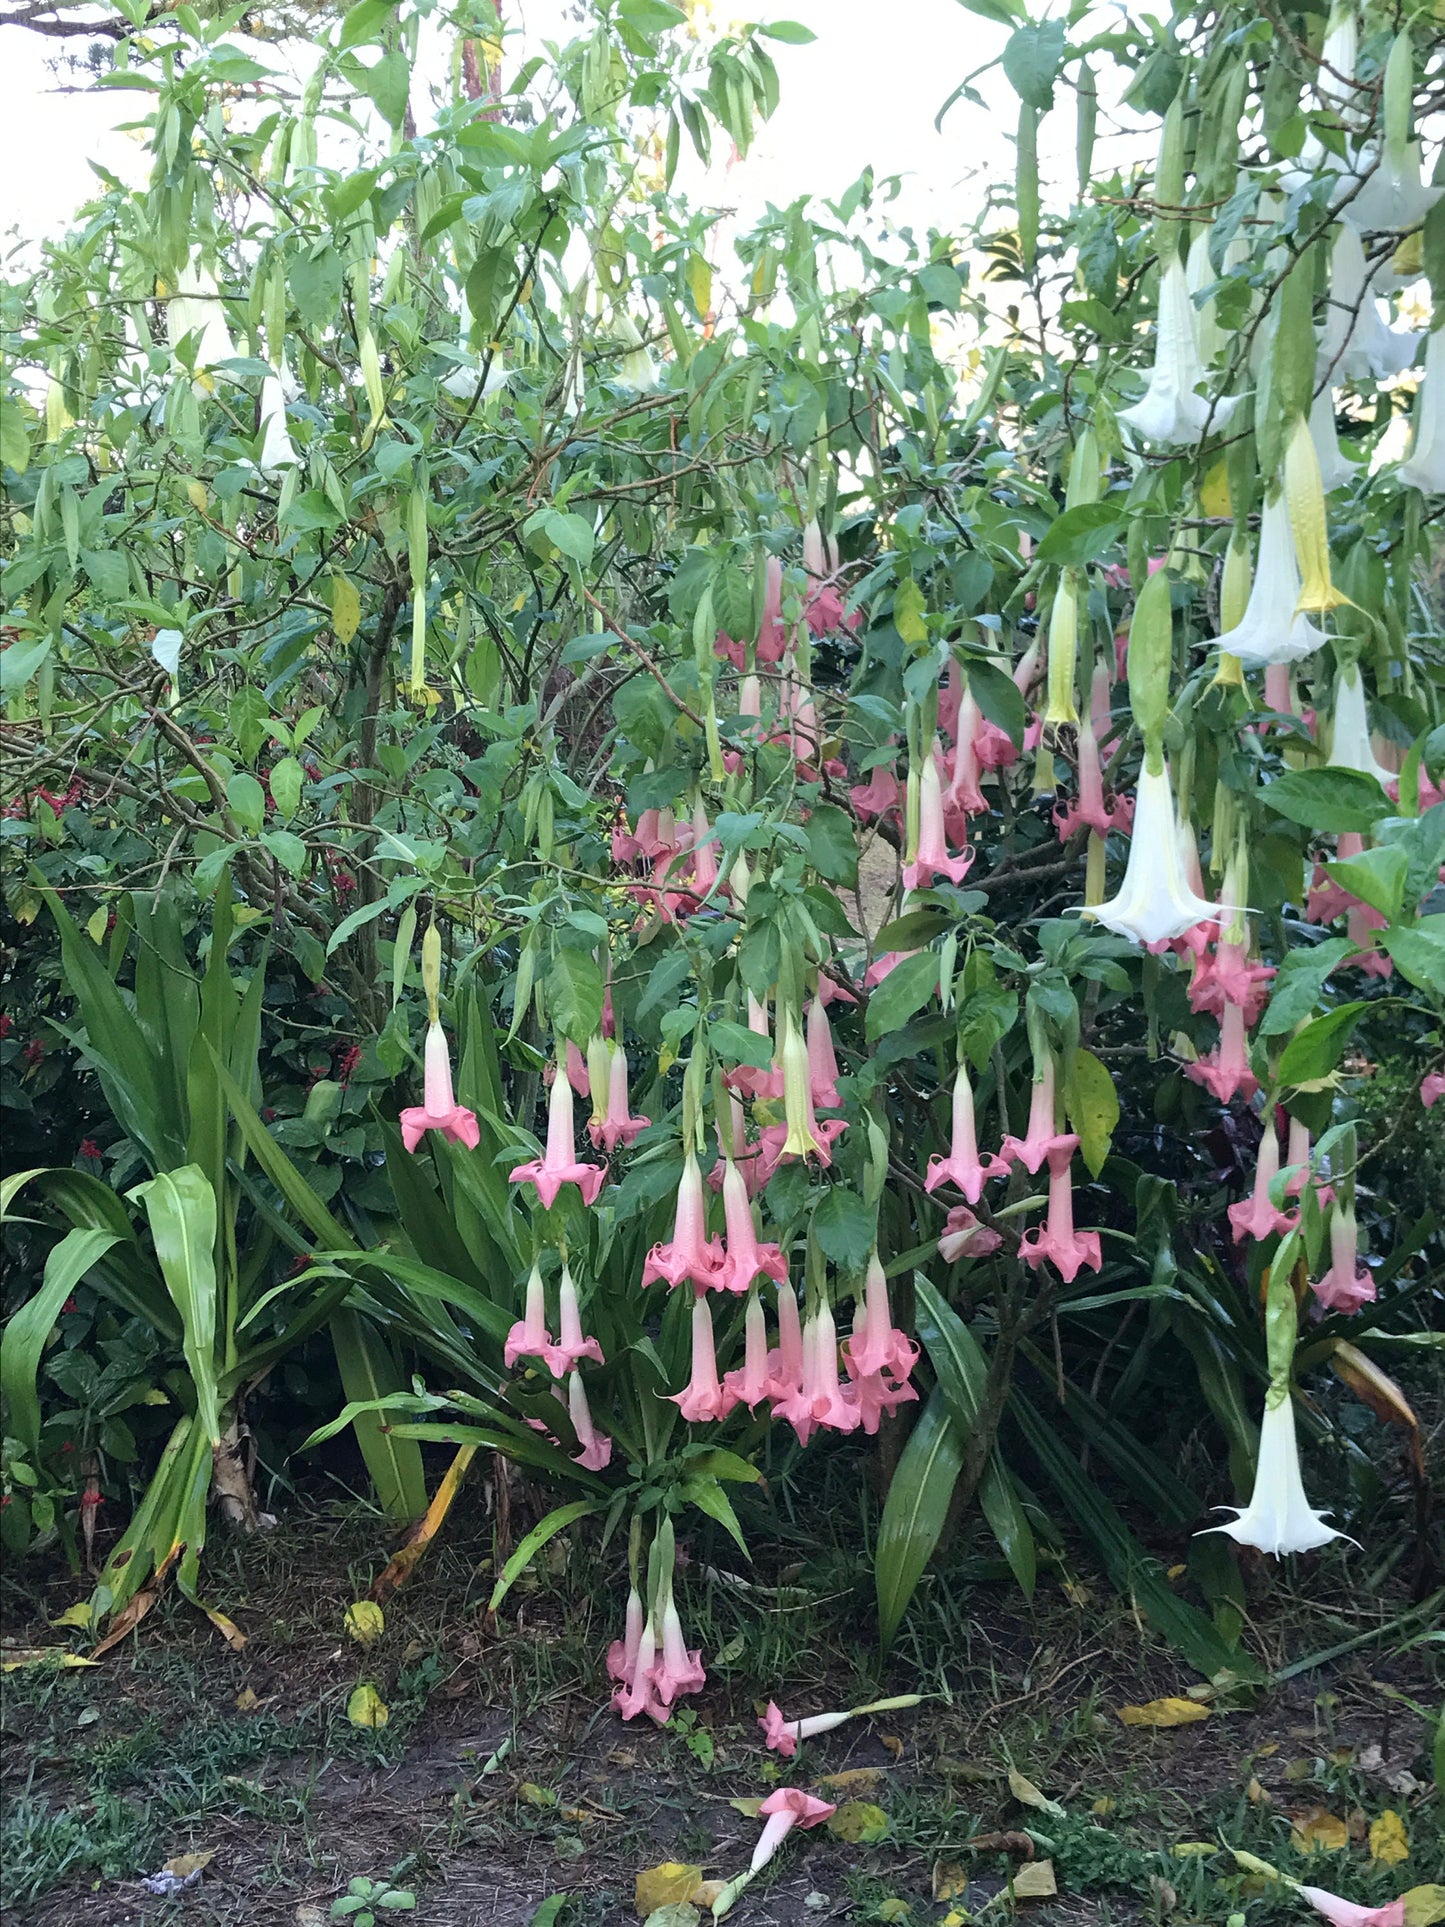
<point x="1067" y="1250"/>
<point x="1424" y="466"/>
<point x="1278" y="1518"/>
<point x="1155" y="902"/>
<point x="963" y="1166"/>
<point x="559" y="1163"/>
<point x="1171" y="411"/>
<point x="690" y="1254"/>
<point x="1271" y="631"/>
<point x="438" y="1110"/>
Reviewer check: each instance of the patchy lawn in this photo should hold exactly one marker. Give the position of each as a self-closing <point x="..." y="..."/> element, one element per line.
<point x="502" y="1777"/>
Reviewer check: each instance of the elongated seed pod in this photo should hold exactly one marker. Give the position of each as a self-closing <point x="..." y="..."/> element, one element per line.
<point x="1151" y="657"/>
<point x="1026" y="192"/>
<point x="1088" y="122"/>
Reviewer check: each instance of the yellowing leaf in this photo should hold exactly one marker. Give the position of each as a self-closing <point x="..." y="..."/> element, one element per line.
<point x="1256" y="1794"/>
<point x="1193" y="1849"/>
<point x="1214" y="492"/>
<point x="699" y="284"/>
<point x="1388" y="1839"/>
<point x="366" y="1707"/>
<point x="196" y="495"/>
<point x="1319" y="1831"/>
<point x="1165" y="1712"/>
<point x="858" y="1822"/>
<point x="95" y="925"/>
<point x="536" y="1796"/>
<point x="892" y="1909"/>
<point x="1424" y="1906"/>
<point x="908" y="608"/>
<point x="950" y="1880"/>
<point x="1028" y="1795"/>
<point x="365" y="1621"/>
<point x="749" y="1807"/>
<point x="14" y="1657"/>
<point x="854" y="1781"/>
<point x="345" y="608"/>
<point x="681" y="1913"/>
<point x="1035" y="1881"/>
<point x="77" y="1615"/>
<point x="246" y="1700"/>
<point x="185" y="1864"/>
<point x="892" y="1745"/>
<point x="668" y="1884"/>
<point x="1103" y="1807"/>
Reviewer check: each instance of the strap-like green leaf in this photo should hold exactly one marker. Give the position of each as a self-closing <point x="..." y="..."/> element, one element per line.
<point x="26" y="1333"/>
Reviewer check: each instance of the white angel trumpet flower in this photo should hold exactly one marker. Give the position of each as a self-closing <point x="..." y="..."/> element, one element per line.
<point x="637" y="369"/>
<point x="1350" y="745"/>
<point x="195" y="309"/>
<point x="1170" y="411"/>
<point x="465" y="382"/>
<point x="277" y="449"/>
<point x="1270" y="631"/>
<point x="1155" y="901"/>
<point x="1395" y="195"/>
<point x="1357" y="340"/>
<point x="1424" y="466"/>
<point x="1278" y="1518"/>
<point x="1335" y="471"/>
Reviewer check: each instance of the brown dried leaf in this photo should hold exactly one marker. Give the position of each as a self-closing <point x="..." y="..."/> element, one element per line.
<point x="854" y="1780"/>
<point x="185" y="1864"/>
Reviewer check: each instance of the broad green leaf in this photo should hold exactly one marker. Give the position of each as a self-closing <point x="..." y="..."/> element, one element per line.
<point x="1092" y="1103"/>
<point x="1297" y="986"/>
<point x="30" y="1326"/>
<point x="1081" y="535"/>
<point x="1031" y="59"/>
<point x="906" y="989"/>
<point x="1419" y="955"/>
<point x="1314" y="1052"/>
<point x="181" y="1207"/>
<point x="1328" y="799"/>
<point x="1376" y="877"/>
<point x="833" y="844"/>
<point x="844" y="1226"/>
<point x="369" y="1371"/>
<point x="914" y="1512"/>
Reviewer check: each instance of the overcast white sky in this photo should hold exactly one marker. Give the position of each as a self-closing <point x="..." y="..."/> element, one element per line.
<point x="865" y="91"/>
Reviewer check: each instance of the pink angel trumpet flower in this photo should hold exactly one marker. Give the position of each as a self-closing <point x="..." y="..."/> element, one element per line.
<point x="785" y="1364"/>
<point x="1157" y="901"/>
<point x="1297" y="1157"/>
<point x="1328" y="899"/>
<point x="1067" y="1250"/>
<point x="784" y="1810"/>
<point x="529" y="1337"/>
<point x="622" y="1653"/>
<point x="964" y="797"/>
<point x="617" y="1124"/>
<point x="572" y="1346"/>
<point x="822" y="1058"/>
<point x="559" y="1163"/>
<point x="1088" y="809"/>
<point x="822" y="1385"/>
<point x="1041" y="1140"/>
<point x="1255" y="1216"/>
<point x="882" y="965"/>
<point x="876" y="1396"/>
<point x="690" y="1254"/>
<point x="746" y="1259"/>
<point x="782" y="1735"/>
<point x="931" y="859"/>
<point x="1278" y="1518"/>
<point x="579" y="1074"/>
<point x="1432" y="1089"/>
<point x="676" y="1671"/>
<point x="748" y="1079"/>
<point x="773" y="635"/>
<point x="1361" y="923"/>
<point x="704" y="848"/>
<point x="1348" y="1285"/>
<point x="880" y="794"/>
<point x="596" y="1453"/>
<point x="804" y="1136"/>
<point x="748" y="1383"/>
<point x="438" y="1110"/>
<point x="1345" y="1913"/>
<point x="876" y="1345"/>
<point x="963" y="1166"/>
<point x="950" y="699"/>
<point x="965" y="1236"/>
<point x="640" y="1695"/>
<point x="704" y="1397"/>
<point x="1225" y="1070"/>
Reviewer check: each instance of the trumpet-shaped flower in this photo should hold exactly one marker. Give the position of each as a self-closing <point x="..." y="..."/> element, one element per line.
<point x="748" y="1383"/>
<point x="596" y="1452"/>
<point x="1067" y="1250"/>
<point x="1278" y="1518"/>
<point x="1155" y="902"/>
<point x="1357" y="341"/>
<point x="704" y="1396"/>
<point x="1225" y="1071"/>
<point x="1271" y="631"/>
<point x="1347" y="1285"/>
<point x="1350" y="744"/>
<point x="1042" y="1139"/>
<point x="195" y="310"/>
<point x="438" y="1110"/>
<point x="1432" y="1089"/>
<point x="1171" y="410"/>
<point x="675" y="1671"/>
<point x="691" y="1254"/>
<point x="1344" y="1913"/>
<point x="617" y="1124"/>
<point x="622" y="1653"/>
<point x="1335" y="470"/>
<point x="963" y="1165"/>
<point x="529" y="1337"/>
<point x="782" y="1735"/>
<point x="559" y="1165"/>
<point x="964" y="1236"/>
<point x="930" y="859"/>
<point x="782" y="1811"/>
<point x="639" y="1694"/>
<point x="1394" y="196"/>
<point x="746" y="1259"/>
<point x="277" y="449"/>
<point x="818" y="1398"/>
<point x="750" y="1079"/>
<point x="1255" y="1216"/>
<point x="802" y="1139"/>
<point x="822" y="1058"/>
<point x="878" y="795"/>
<point x="572" y="1346"/>
<point x="876" y="1345"/>
<point x="1424" y="466"/>
<point x="1297" y="1158"/>
<point x="1088" y="809"/>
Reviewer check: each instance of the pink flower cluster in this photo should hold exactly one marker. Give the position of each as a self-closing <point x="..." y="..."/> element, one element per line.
<point x="1328" y="900"/>
<point x="1224" y="982"/>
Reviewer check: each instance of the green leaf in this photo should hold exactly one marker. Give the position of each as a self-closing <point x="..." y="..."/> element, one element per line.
<point x="109" y="573"/>
<point x="1092" y="1103"/>
<point x="20" y="661"/>
<point x="1419" y="955"/>
<point x="545" y="1529"/>
<point x="1328" y="799"/>
<point x="998" y="698"/>
<point x="708" y="1496"/>
<point x="833" y="844"/>
<point x="573" y="536"/>
<point x="962" y="1370"/>
<point x="386" y="84"/>
<point x="1297" y="986"/>
<point x="909" y="610"/>
<point x="914" y="930"/>
<point x="287" y="779"/>
<point x="574" y="994"/>
<point x="1031" y="60"/>
<point x="369" y="1372"/>
<point x="1081" y="535"/>
<point x="790" y="32"/>
<point x="364" y="22"/>
<point x="14" y="438"/>
<point x="738" y="1045"/>
<point x="844" y="1226"/>
<point x="914" y="1512"/>
<point x="907" y="988"/>
<point x="314" y="279"/>
<point x="1314" y="1052"/>
<point x="28" y="1328"/>
<point x="247" y="801"/>
<point x="1376" y="877"/>
<point x="181" y="1207"/>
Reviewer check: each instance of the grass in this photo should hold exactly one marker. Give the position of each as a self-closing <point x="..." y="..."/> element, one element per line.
<point x="501" y="1776"/>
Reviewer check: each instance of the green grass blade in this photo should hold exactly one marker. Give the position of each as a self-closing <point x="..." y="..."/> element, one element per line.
<point x="545" y="1529"/>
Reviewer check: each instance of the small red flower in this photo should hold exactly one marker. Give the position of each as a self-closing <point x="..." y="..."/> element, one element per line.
<point x="68" y="1445"/>
<point x="69" y="1305"/>
<point x="347" y="1062"/>
<point x="89" y="1149"/>
<point x="35" y="1052"/>
<point x="7" y="1024"/>
<point x="90" y="1500"/>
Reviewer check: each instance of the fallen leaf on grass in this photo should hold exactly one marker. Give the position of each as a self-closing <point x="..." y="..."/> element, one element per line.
<point x="1036" y="1881"/>
<point x="706" y="1892"/>
<point x="366" y="1707"/>
<point x="853" y="1780"/>
<point x="1193" y="1849"/>
<point x="1256" y="1794"/>
<point x="1020" y="1843"/>
<point x="1028" y="1795"/>
<point x="893" y="1744"/>
<point x="1165" y="1898"/>
<point x="969" y="1771"/>
<point x="185" y="1864"/>
<point x="669" y="1884"/>
<point x="1424" y="1906"/>
<point x="14" y="1657"/>
<point x="858" y="1822"/>
<point x="365" y="1621"/>
<point x="892" y="1909"/>
<point x="950" y="1880"/>
<point x="680" y="1913"/>
<point x="1319" y="1831"/>
<point x="1388" y="1839"/>
<point x="749" y="1806"/>
<point x="75" y="1616"/>
<point x="536" y="1796"/>
<point x="1103" y="1807"/>
<point x="246" y="1700"/>
<point x="1165" y="1712"/>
